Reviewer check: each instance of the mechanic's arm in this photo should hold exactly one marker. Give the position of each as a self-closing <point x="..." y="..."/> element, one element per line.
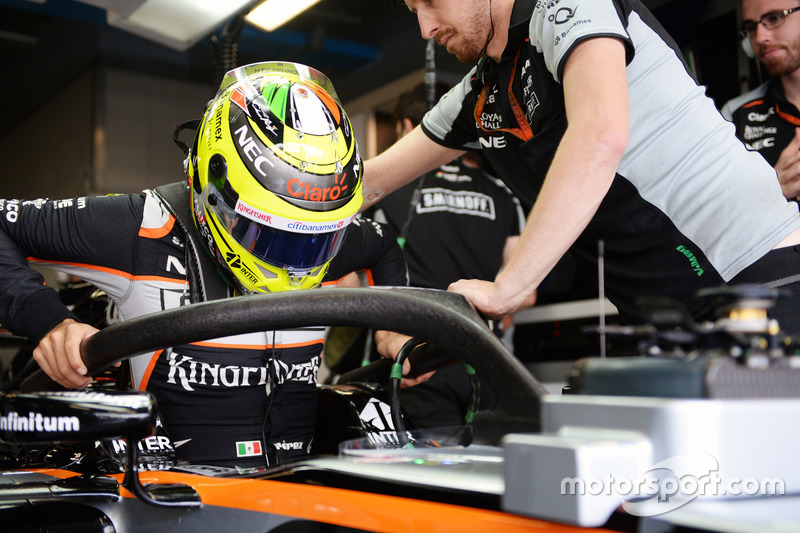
<point x="408" y="158"/>
<point x="595" y="93"/>
<point x="788" y="168"/>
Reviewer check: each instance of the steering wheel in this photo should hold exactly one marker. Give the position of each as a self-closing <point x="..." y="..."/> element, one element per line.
<point x="431" y="315"/>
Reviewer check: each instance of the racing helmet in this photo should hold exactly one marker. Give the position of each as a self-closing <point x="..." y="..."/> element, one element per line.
<point x="275" y="175"/>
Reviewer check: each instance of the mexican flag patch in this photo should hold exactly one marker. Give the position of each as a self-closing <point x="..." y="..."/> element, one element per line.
<point x="248" y="448"/>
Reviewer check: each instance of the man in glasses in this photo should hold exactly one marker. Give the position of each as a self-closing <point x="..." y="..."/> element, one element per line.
<point x="767" y="118"/>
<point x="588" y="113"/>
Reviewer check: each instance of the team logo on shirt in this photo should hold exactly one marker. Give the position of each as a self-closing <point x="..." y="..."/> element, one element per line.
<point x="562" y="16"/>
<point x="459" y="202"/>
<point x="529" y="97"/>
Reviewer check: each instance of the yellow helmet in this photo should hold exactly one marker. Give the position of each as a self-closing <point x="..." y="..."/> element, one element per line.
<point x="275" y="175"/>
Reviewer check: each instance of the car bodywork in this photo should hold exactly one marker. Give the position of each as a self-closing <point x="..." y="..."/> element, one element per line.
<point x="498" y="476"/>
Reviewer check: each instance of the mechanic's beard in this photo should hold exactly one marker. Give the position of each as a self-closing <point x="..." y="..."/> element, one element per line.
<point x="467" y="48"/>
<point x="786" y="64"/>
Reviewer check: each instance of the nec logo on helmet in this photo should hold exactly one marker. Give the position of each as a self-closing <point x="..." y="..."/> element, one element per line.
<point x="252" y="150"/>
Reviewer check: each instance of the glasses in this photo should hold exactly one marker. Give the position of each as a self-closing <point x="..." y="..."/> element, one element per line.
<point x="770" y="21"/>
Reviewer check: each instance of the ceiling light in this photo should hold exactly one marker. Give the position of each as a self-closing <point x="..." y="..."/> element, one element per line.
<point x="178" y="24"/>
<point x="274" y="13"/>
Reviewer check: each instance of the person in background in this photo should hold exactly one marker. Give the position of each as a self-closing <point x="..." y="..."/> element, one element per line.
<point x="455" y="222"/>
<point x="274" y="184"/>
<point x="767" y="119"/>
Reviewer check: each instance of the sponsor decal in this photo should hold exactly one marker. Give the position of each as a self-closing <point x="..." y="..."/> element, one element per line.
<point x="377" y="415"/>
<point x="760" y="117"/>
<point x="235" y="262"/>
<point x="491" y="121"/>
<point x="546" y="4"/>
<point x="251" y="150"/>
<point x="153" y="443"/>
<point x="755" y="132"/>
<point x="188" y="373"/>
<point x="288" y="224"/>
<point x="38" y="423"/>
<point x="57" y="204"/>
<point x="265" y="120"/>
<point x="248" y="448"/>
<point x="11" y="207"/>
<point x="238" y="98"/>
<point x="528" y="95"/>
<point x="298" y="372"/>
<point x="767" y="142"/>
<point x="288" y="445"/>
<point x="460" y="202"/>
<point x="307" y="191"/>
<point x="218" y="124"/>
<point x="492" y="141"/>
<point x="692" y="259"/>
<point x="562" y="15"/>
<point x="175" y="264"/>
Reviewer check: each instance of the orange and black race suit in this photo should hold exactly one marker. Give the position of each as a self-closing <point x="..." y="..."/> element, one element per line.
<point x="242" y="401"/>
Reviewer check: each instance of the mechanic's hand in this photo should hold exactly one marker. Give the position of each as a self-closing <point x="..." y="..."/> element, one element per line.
<point x="388" y="344"/>
<point x="59" y="353"/>
<point x="488" y="298"/>
<point x="788" y="168"/>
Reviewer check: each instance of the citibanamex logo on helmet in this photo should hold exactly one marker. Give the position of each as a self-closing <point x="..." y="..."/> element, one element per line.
<point x="306" y="191"/>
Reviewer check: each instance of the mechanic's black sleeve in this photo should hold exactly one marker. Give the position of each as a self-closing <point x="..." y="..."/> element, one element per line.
<point x="85" y="230"/>
<point x="370" y="246"/>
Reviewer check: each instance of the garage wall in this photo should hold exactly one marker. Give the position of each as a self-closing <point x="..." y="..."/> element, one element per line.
<point x="108" y="131"/>
<point x="50" y="152"/>
<point x="135" y="117"/>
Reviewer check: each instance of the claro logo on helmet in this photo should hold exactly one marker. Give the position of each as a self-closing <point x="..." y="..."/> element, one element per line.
<point x="306" y="191"/>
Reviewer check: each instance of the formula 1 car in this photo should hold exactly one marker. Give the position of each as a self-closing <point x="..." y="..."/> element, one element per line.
<point x="503" y="471"/>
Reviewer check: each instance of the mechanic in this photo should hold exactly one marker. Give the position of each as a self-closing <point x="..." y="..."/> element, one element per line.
<point x="767" y="118"/>
<point x="274" y="184"/>
<point x="587" y="109"/>
<point x="456" y="222"/>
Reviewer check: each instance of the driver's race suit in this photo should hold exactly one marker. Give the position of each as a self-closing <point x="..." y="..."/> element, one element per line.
<point x="239" y="401"/>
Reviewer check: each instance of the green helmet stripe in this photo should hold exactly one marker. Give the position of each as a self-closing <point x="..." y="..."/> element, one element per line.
<point x="276" y="96"/>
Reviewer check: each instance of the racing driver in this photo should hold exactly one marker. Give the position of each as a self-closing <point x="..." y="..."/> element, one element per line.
<point x="274" y="184"/>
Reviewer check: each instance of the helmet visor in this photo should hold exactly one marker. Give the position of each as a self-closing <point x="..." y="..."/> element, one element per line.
<point x="289" y="244"/>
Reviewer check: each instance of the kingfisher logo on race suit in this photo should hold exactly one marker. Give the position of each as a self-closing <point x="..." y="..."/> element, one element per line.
<point x="189" y="373"/>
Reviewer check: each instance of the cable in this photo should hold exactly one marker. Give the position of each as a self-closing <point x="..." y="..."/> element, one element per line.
<point x="430" y="98"/>
<point x="395" y="377"/>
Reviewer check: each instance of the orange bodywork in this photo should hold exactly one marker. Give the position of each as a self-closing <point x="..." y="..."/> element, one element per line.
<point x="350" y="508"/>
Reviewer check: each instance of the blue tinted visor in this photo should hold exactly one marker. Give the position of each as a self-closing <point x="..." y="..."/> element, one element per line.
<point x="285" y="249"/>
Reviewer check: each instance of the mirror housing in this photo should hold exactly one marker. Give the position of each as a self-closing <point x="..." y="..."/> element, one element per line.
<point x="76" y="416"/>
